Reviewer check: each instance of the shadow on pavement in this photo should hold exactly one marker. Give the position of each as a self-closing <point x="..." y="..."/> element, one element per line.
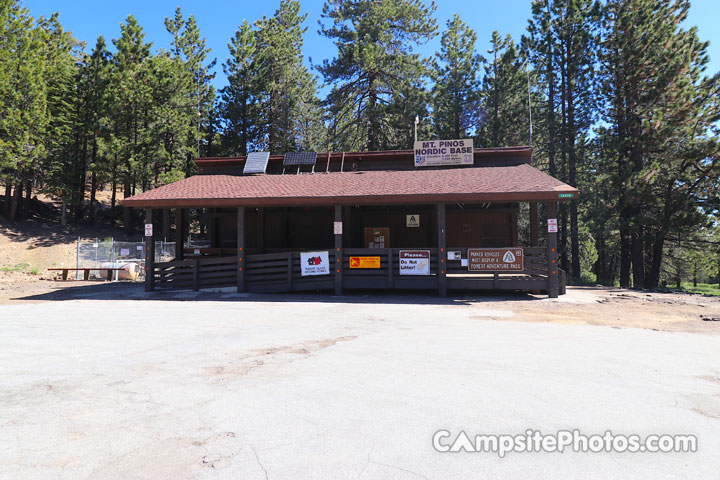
<point x="135" y="291"/>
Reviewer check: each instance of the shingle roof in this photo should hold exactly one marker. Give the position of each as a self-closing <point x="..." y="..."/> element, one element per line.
<point x="472" y="184"/>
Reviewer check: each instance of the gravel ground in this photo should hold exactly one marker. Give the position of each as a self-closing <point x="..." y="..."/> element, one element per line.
<point x="105" y="381"/>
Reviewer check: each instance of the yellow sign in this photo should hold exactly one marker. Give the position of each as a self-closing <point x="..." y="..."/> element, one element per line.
<point x="364" y="262"/>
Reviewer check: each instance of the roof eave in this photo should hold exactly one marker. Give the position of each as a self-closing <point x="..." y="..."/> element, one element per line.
<point x="490" y="197"/>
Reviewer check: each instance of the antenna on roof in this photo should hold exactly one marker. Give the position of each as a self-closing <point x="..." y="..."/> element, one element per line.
<point x="529" y="105"/>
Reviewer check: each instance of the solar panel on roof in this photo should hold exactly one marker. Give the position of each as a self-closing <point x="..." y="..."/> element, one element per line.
<point x="300" y="158"/>
<point x="256" y="162"/>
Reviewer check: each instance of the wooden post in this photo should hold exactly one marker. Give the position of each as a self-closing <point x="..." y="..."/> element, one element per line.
<point x="196" y="275"/>
<point x="290" y="271"/>
<point x="552" y="254"/>
<point x="241" y="249"/>
<point x="260" y="234"/>
<point x="149" y="253"/>
<point x="390" y="267"/>
<point x="442" y="254"/>
<point x="534" y="224"/>
<point x="179" y="234"/>
<point x="338" y="253"/>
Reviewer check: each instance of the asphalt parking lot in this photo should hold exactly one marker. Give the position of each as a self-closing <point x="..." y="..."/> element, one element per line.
<point x="329" y="389"/>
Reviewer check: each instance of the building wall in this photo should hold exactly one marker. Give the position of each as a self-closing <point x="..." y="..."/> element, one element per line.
<point x="308" y="228"/>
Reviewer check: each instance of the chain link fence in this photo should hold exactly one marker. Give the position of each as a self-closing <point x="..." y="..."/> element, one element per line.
<point x="108" y="253"/>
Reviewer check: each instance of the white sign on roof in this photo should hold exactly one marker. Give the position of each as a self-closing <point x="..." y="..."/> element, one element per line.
<point x="434" y="153"/>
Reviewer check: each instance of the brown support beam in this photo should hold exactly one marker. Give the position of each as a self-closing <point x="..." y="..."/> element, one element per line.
<point x="534" y="224"/>
<point x="241" y="249"/>
<point x="442" y="254"/>
<point x="212" y="234"/>
<point x="552" y="254"/>
<point x="179" y="233"/>
<point x="338" y="253"/>
<point x="260" y="238"/>
<point x="149" y="252"/>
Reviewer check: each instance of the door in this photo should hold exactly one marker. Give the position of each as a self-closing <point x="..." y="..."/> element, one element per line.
<point x="377" y="237"/>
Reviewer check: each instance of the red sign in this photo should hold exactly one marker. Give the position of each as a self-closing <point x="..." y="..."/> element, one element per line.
<point x="495" y="259"/>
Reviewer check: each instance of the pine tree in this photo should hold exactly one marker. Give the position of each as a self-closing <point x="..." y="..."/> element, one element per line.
<point x="131" y="107"/>
<point x="375" y="59"/>
<point x="504" y="96"/>
<point x="23" y="101"/>
<point x="238" y="103"/>
<point x="456" y="94"/>
<point x="191" y="49"/>
<point x="662" y="112"/>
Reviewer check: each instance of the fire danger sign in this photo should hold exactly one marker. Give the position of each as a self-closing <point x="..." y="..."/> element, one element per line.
<point x="364" y="262"/>
<point x="495" y="259"/>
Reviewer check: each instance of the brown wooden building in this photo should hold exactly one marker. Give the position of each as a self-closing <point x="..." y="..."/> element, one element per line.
<point x="360" y="205"/>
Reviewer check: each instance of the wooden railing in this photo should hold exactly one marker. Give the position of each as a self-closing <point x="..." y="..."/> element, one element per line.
<point x="278" y="272"/>
<point x="196" y="273"/>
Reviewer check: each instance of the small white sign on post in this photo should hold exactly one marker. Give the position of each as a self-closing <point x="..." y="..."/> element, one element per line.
<point x="148" y="230"/>
<point x="412" y="221"/>
<point x="124" y="252"/>
<point x="337" y="228"/>
<point x="314" y="263"/>
<point x="552" y="225"/>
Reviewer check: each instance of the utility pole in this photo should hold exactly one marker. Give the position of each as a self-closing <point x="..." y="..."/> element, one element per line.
<point x="529" y="104"/>
<point x="198" y="115"/>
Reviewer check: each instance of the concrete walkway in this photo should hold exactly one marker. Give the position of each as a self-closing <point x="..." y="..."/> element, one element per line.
<point x="332" y="390"/>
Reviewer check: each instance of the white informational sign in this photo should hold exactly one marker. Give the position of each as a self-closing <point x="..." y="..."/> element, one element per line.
<point x="552" y="225"/>
<point x="337" y="228"/>
<point x="139" y="247"/>
<point x="412" y="220"/>
<point x="196" y="251"/>
<point x="414" y="262"/>
<point x="124" y="251"/>
<point x="454" y="255"/>
<point x="443" y="152"/>
<point x="148" y="229"/>
<point x="463" y="262"/>
<point x="314" y="263"/>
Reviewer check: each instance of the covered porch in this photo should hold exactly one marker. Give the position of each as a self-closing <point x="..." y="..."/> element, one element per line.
<point x="266" y="255"/>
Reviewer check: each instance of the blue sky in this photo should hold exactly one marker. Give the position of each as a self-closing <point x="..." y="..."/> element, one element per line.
<point x="218" y="21"/>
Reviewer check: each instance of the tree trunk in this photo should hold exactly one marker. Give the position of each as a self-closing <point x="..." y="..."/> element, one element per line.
<point x="63" y="213"/>
<point x="638" y="260"/>
<point x="654" y="281"/>
<point x="7" y="201"/>
<point x="127" y="211"/>
<point x="625" y="257"/>
<point x="14" y="202"/>
<point x="372" y="114"/>
<point x="93" y="193"/>
<point x="28" y="191"/>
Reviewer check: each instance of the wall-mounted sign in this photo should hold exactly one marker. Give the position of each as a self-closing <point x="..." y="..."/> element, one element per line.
<point x="495" y="259"/>
<point x="443" y="152"/>
<point x="454" y="255"/>
<point x="314" y="263"/>
<point x="414" y="262"/>
<point x="412" y="220"/>
<point x="124" y="251"/>
<point x="364" y="262"/>
<point x="566" y="195"/>
<point x="337" y="228"/>
<point x="552" y="225"/>
<point x="148" y="229"/>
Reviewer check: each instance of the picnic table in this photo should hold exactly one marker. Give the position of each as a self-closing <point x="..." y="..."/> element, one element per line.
<point x="86" y="271"/>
